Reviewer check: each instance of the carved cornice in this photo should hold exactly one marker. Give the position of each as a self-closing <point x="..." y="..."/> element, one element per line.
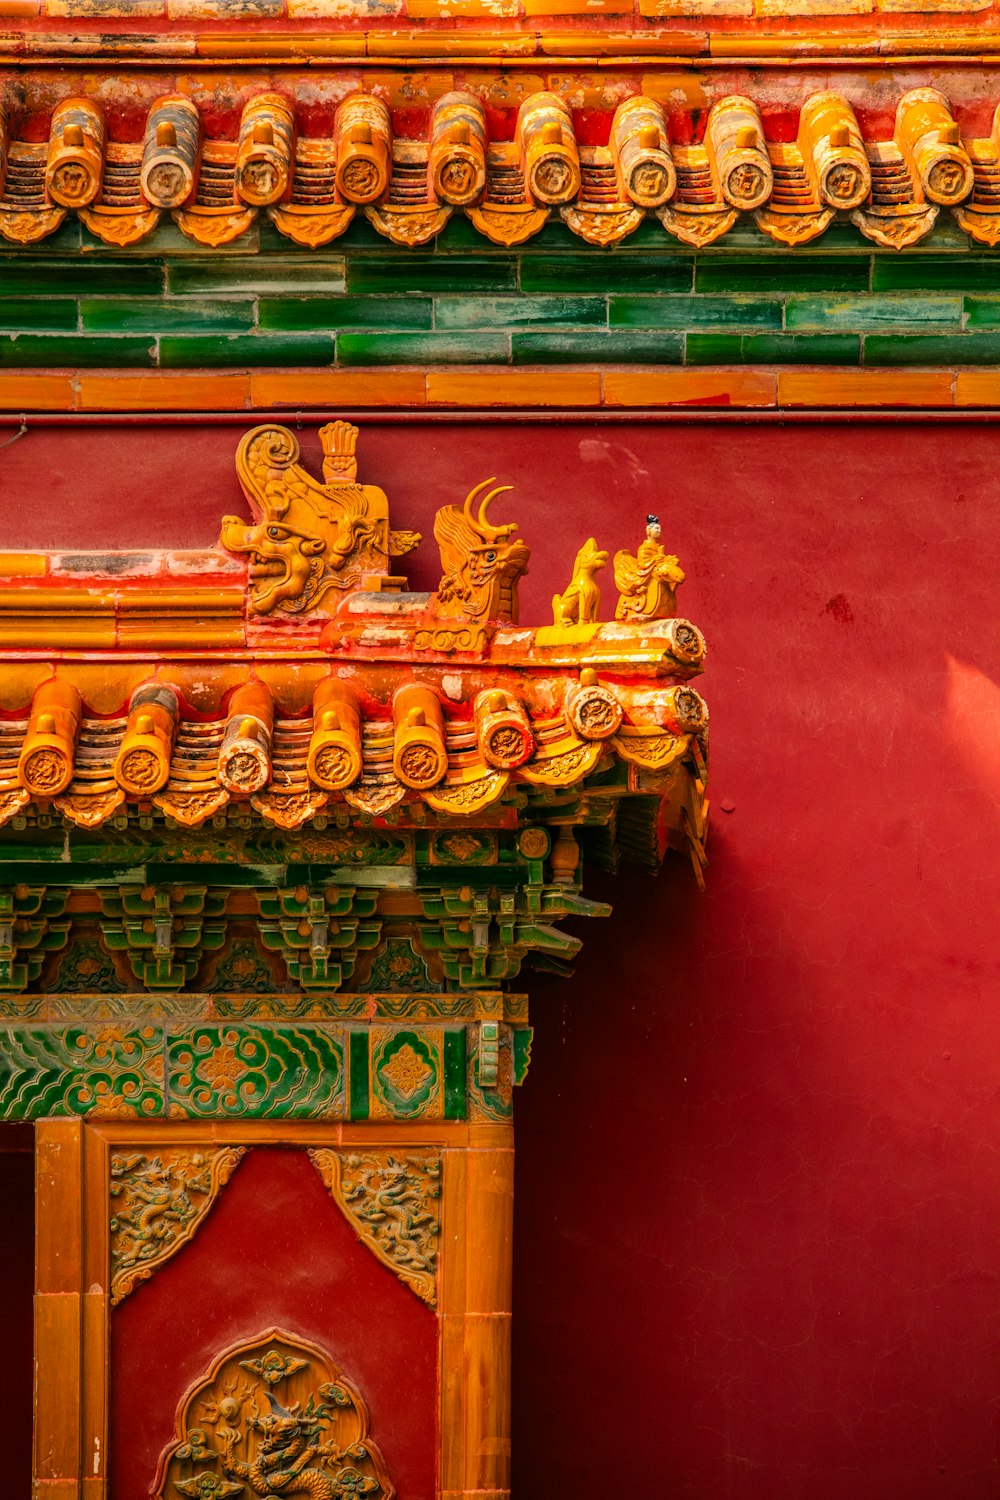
<point x="409" y="153"/>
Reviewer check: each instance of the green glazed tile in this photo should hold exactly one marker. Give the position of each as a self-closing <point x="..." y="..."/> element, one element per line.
<point x="79" y="278"/>
<point x="694" y="312"/>
<point x="772" y="349"/>
<point x="860" y="313"/>
<point x="801" y="349"/>
<point x="783" y="271"/>
<point x="261" y="275"/>
<point x="454" y="1074"/>
<point x="361" y="236"/>
<point x="607" y="271"/>
<point x="982" y="312"/>
<point x="422" y="348"/>
<point x="247" y="349"/>
<point x="519" y="312"/>
<point x="167" y="240"/>
<point x="118" y="315"/>
<point x="70" y="1070"/>
<point x="713" y="349"/>
<point x="66" y="241"/>
<point x="41" y="314"/>
<point x="746" y="239"/>
<point x="405" y="1072"/>
<point x="74" y="350"/>
<point x="287" y="1072"/>
<point x="412" y="271"/>
<point x="957" y="273"/>
<point x="521" y="1048"/>
<point x="955" y="349"/>
<point x="617" y="347"/>
<point x="358" y="1075"/>
<point x="297" y="314"/>
<point x="460" y="237"/>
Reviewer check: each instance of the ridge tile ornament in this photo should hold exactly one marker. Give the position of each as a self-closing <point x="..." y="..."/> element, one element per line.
<point x="696" y="174"/>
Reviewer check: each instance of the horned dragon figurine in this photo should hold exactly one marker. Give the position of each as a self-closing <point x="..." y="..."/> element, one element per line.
<point x="314" y="545"/>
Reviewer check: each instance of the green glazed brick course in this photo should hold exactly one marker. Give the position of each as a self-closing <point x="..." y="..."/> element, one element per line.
<point x="518" y="312"/>
<point x="773" y="349"/>
<point x="427" y="273"/>
<point x="209" y="315"/>
<point x="247" y="349"/>
<point x="265" y="275"/>
<point x="607" y="271"/>
<point x="958" y="349"/>
<point x="332" y="313"/>
<point x="79" y="278"/>
<point x="859" y="313"/>
<point x="959" y="273"/>
<point x="982" y="312"/>
<point x="616" y="347"/>
<point x="422" y="348"/>
<point x="65" y="351"/>
<point x="783" y="272"/>
<point x="694" y="312"/>
<point x="44" y="314"/>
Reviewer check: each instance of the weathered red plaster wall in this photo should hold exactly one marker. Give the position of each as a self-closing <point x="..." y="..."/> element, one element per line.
<point x="758" y="1239"/>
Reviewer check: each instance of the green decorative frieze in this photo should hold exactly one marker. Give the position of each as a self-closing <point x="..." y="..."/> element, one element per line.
<point x="108" y="1071"/>
<point x="279" y="1072"/>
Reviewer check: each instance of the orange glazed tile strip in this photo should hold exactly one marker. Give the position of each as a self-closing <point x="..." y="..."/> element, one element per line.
<point x="569" y="387"/>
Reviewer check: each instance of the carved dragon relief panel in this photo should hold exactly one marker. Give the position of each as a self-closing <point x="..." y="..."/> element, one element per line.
<point x="273" y="1416"/>
<point x="392" y="1201"/>
<point x="158" y="1203"/>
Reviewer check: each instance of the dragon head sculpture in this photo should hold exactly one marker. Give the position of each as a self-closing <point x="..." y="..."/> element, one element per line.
<point x="308" y="537"/>
<point x="481" y="565"/>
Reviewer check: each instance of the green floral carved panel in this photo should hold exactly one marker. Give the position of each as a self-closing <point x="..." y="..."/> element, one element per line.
<point x="285" y="1072"/>
<point x="108" y="1071"/>
<point x="406" y="1080"/>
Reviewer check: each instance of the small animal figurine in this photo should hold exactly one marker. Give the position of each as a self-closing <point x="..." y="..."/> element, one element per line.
<point x="580" y="603"/>
<point x="648" y="582"/>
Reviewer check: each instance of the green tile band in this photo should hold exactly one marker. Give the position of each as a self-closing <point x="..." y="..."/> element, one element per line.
<point x="247" y="349"/>
<point x="358" y="1075"/>
<point x="309" y="314"/>
<point x="454" y="1073"/>
<point x="784" y="271"/>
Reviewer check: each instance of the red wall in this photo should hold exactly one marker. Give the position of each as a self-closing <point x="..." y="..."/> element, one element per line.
<point x="758" y="1244"/>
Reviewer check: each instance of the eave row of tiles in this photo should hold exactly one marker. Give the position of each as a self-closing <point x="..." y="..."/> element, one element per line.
<point x="312" y="186"/>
